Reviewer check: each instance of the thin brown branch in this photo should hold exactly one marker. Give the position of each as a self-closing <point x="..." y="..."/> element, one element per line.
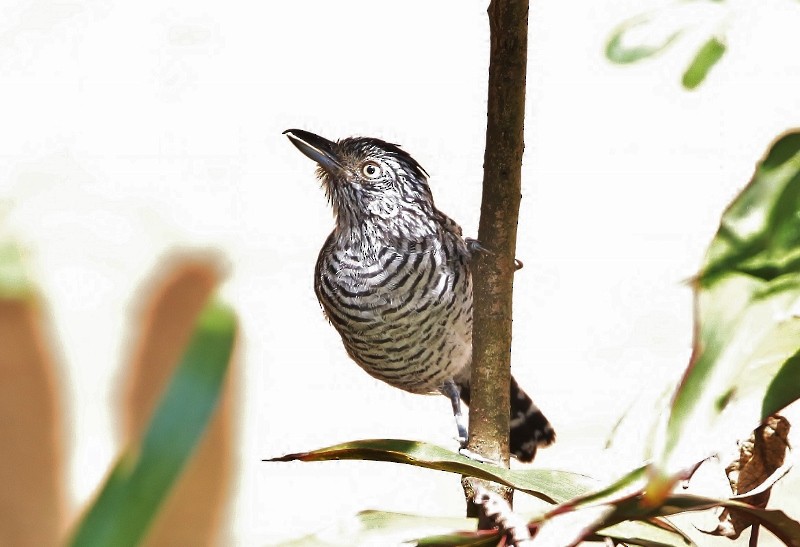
<point x="493" y="272"/>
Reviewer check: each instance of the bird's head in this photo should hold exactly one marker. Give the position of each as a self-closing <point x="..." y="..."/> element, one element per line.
<point x="370" y="183"/>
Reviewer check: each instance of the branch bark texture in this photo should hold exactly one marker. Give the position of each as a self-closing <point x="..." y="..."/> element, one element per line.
<point x="493" y="272"/>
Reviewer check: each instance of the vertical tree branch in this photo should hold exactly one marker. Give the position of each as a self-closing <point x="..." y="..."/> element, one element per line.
<point x="493" y="273"/>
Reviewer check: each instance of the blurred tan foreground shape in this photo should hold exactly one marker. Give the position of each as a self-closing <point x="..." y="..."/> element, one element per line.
<point x="194" y="511"/>
<point x="32" y="497"/>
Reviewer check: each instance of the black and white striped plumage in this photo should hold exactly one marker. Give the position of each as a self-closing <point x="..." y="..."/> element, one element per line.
<point x="394" y="279"/>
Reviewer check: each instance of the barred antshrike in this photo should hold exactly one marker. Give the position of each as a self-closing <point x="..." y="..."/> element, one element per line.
<point x="394" y="279"/>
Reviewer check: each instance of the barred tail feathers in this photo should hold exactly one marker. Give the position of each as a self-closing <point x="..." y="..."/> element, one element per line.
<point x="528" y="427"/>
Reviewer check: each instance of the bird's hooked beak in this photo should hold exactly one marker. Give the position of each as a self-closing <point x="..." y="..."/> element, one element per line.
<point x="319" y="149"/>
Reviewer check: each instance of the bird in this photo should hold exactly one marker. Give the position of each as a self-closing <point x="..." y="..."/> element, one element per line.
<point x="393" y="278"/>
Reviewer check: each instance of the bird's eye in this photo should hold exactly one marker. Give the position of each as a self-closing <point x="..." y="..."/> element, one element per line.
<point x="371" y="170"/>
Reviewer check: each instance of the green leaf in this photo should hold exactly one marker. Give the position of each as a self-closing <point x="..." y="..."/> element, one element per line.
<point x="550" y="486"/>
<point x="631" y="483"/>
<point x="483" y="538"/>
<point x="383" y="528"/>
<point x="782" y="390"/>
<point x="744" y="365"/>
<point x="620" y="51"/>
<point x="758" y="235"/>
<point x="145" y="472"/>
<point x="707" y="56"/>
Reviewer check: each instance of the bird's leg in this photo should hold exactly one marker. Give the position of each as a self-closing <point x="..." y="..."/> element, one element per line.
<point x="451" y="391"/>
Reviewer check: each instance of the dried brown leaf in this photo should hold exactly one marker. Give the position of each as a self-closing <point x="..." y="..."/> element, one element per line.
<point x="760" y="457"/>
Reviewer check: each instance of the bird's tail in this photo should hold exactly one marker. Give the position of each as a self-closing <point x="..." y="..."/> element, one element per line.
<point x="528" y="427"/>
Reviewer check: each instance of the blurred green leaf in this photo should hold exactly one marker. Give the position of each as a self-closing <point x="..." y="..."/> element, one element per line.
<point x="551" y="486"/>
<point x="14" y="282"/>
<point x="145" y="473"/>
<point x="620" y="51"/>
<point x="707" y="56"/>
<point x="651" y="33"/>
<point x="654" y="533"/>
<point x="383" y="528"/>
<point x="747" y="320"/>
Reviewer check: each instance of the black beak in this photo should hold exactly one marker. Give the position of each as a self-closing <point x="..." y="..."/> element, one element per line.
<point x="317" y="148"/>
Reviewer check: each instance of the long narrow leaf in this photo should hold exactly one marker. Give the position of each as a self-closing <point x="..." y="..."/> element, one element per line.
<point x="145" y="473"/>
<point x="551" y="486"/>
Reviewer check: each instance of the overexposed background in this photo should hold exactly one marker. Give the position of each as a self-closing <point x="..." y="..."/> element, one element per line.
<point x="133" y="128"/>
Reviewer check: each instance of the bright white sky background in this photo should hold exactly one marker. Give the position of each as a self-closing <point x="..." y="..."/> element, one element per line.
<point x="131" y="128"/>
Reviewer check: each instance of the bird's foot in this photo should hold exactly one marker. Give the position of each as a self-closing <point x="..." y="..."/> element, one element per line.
<point x="475" y="246"/>
<point x="464" y="451"/>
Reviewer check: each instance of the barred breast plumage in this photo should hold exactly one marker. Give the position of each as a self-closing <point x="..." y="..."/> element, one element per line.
<point x="403" y="309"/>
<point x="393" y="278"/>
